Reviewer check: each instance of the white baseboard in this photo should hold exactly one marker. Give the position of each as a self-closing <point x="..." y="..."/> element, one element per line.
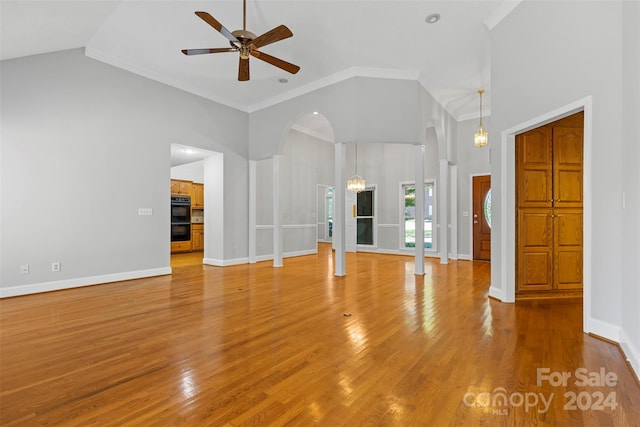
<point x="404" y="252"/>
<point x="382" y="251"/>
<point x="498" y="294"/>
<point x="631" y="351"/>
<point x="269" y="257"/>
<point x="225" y="262"/>
<point x="14" y="291"/>
<point x="603" y="329"/>
<point x="465" y="257"/>
<point x="618" y="335"/>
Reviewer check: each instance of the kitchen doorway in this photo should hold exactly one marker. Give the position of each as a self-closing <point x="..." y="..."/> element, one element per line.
<point x="189" y="180"/>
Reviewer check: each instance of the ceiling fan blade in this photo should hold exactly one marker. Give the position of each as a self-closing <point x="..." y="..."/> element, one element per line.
<point x="218" y="26"/>
<point x="204" y="51"/>
<point x="243" y="69"/>
<point x="279" y="33"/>
<point x="291" y="68"/>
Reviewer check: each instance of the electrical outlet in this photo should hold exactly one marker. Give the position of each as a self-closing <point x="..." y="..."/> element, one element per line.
<point x="55" y="266"/>
<point x="24" y="269"/>
<point x="145" y="211"/>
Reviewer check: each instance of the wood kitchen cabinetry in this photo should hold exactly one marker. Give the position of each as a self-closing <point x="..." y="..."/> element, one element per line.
<point x="181" y="246"/>
<point x="180" y="187"/>
<point x="197" y="196"/>
<point x="197" y="237"/>
<point x="194" y="190"/>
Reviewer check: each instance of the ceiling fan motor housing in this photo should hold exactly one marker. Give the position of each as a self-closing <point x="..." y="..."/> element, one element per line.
<point x="245" y="37"/>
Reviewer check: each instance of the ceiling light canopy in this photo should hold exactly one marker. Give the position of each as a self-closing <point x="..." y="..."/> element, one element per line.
<point x="432" y="19"/>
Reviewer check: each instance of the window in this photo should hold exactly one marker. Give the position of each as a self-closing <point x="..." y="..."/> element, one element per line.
<point x="365" y="217"/>
<point x="487" y="208"/>
<point x="409" y="214"/>
<point x="329" y="210"/>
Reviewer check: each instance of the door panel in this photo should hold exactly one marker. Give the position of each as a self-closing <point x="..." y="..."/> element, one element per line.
<point x="568" y="243"/>
<point x="568" y="228"/>
<point x="536" y="229"/>
<point x="536" y="271"/>
<point x="535" y="187"/>
<point x="481" y="224"/>
<point x="567" y="165"/>
<point x="568" y="269"/>
<point x="535" y="248"/>
<point x="534" y="168"/>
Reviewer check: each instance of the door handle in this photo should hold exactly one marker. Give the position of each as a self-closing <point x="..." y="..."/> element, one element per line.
<point x="475" y="222"/>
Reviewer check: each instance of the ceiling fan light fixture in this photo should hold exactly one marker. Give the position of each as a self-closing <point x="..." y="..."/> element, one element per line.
<point x="247" y="44"/>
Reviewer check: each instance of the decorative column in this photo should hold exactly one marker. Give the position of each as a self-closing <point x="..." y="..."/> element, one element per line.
<point x="277" y="213"/>
<point x="252" y="211"/>
<point x="339" y="210"/>
<point x="444" y="211"/>
<point x="453" y="212"/>
<point x="419" y="205"/>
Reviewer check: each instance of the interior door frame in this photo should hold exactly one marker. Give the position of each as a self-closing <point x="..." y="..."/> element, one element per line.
<point x="322" y="188"/>
<point x="507" y="205"/>
<point x="471" y="176"/>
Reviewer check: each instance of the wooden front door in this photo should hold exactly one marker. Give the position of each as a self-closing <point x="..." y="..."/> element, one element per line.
<point x="549" y="169"/>
<point x="482" y="217"/>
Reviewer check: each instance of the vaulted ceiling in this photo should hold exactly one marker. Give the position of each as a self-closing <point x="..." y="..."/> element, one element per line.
<point x="332" y="40"/>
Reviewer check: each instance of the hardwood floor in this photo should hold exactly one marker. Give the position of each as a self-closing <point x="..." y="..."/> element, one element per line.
<point x="187" y="259"/>
<point x="263" y="346"/>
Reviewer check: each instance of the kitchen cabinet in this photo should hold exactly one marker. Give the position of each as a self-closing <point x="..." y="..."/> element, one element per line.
<point x="197" y="196"/>
<point x="181" y="246"/>
<point x="180" y="187"/>
<point x="197" y="237"/>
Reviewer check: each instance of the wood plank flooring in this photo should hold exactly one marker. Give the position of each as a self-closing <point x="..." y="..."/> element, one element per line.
<point x="253" y="345"/>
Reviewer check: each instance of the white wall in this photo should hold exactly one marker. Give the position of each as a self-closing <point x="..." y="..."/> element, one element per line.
<point x="631" y="183"/>
<point x="189" y="172"/>
<point x="214" y="215"/>
<point x="236" y="208"/>
<point x="358" y="109"/>
<point x="84" y="146"/>
<point x="306" y="162"/>
<point x="264" y="209"/>
<point x="547" y="55"/>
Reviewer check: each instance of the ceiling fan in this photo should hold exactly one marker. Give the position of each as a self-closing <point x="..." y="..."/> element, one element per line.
<point x="247" y="44"/>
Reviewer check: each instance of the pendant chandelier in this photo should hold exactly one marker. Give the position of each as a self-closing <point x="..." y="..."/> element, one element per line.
<point x="356" y="182"/>
<point x="481" y="137"/>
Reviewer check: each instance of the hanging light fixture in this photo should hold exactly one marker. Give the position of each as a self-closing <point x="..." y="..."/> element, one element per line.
<point x="481" y="137"/>
<point x="356" y="182"/>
